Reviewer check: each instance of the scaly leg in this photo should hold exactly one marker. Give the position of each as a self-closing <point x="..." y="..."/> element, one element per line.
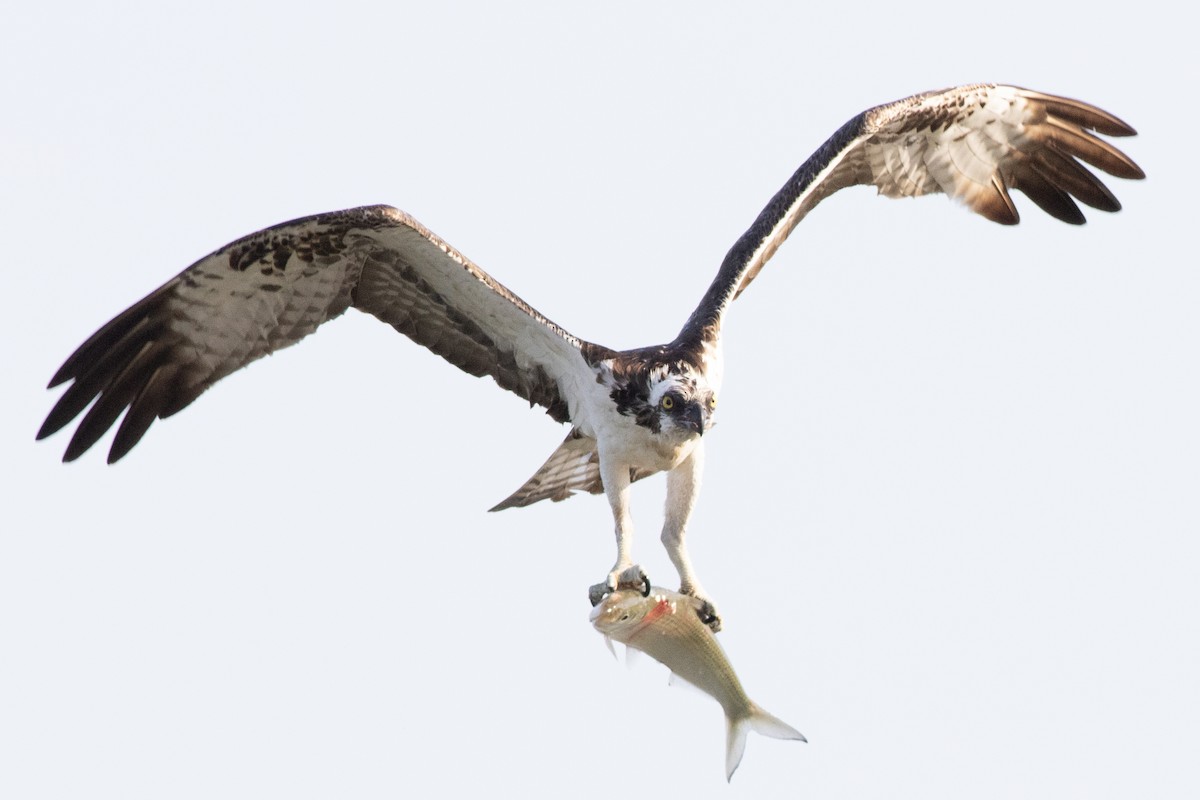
<point x="683" y="484"/>
<point x="624" y="572"/>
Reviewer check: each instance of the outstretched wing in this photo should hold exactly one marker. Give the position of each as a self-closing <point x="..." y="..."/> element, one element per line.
<point x="974" y="143"/>
<point x="272" y="288"/>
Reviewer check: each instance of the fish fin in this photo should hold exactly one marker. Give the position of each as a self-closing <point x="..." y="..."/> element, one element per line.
<point x="735" y="743"/>
<point x="674" y="680"/>
<point x="608" y="643"/>
<point x="758" y="721"/>
<point x="770" y="725"/>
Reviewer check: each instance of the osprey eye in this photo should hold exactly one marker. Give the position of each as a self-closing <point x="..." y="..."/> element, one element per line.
<point x="712" y="401"/>
<point x="668" y="402"/>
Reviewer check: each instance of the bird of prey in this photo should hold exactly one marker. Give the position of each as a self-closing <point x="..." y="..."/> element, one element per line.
<point x="631" y="413"/>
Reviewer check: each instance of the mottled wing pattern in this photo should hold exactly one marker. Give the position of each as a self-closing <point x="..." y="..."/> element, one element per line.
<point x="573" y="467"/>
<point x="974" y="143"/>
<point x="272" y="288"/>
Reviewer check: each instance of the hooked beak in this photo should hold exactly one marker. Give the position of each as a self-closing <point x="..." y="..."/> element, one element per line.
<point x="695" y="416"/>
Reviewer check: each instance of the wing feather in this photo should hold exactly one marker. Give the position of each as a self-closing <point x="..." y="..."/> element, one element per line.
<point x="1048" y="195"/>
<point x="1067" y="173"/>
<point x="974" y="143"/>
<point x="144" y="409"/>
<point x="272" y="288"/>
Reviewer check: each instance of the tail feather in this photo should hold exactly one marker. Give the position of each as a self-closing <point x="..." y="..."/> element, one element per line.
<point x="573" y="467"/>
<point x="758" y="721"/>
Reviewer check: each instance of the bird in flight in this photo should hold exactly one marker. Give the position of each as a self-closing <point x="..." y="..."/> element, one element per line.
<point x="631" y="413"/>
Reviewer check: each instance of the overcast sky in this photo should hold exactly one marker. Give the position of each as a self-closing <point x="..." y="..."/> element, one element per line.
<point x="950" y="510"/>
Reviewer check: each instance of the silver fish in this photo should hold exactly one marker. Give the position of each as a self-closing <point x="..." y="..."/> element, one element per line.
<point x="666" y="626"/>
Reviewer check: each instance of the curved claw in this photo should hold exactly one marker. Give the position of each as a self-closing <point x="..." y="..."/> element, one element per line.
<point x="645" y="583"/>
<point x="709" y="616"/>
<point x="633" y="577"/>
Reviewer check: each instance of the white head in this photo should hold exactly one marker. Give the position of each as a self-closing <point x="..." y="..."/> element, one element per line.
<point x="681" y="400"/>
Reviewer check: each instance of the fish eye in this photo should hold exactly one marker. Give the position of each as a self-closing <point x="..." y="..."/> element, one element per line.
<point x="623" y="618"/>
<point x="668" y="402"/>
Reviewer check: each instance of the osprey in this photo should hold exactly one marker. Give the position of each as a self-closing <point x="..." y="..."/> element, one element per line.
<point x="632" y="413"/>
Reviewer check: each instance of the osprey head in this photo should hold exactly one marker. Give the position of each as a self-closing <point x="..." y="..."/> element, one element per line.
<point x="670" y="397"/>
<point x="681" y="401"/>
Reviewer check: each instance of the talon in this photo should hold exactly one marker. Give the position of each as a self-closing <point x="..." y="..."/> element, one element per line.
<point x="598" y="592"/>
<point x="643" y="579"/>
<point x="635" y="578"/>
<point x="709" y="616"/>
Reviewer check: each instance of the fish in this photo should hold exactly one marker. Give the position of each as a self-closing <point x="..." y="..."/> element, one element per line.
<point x="667" y="626"/>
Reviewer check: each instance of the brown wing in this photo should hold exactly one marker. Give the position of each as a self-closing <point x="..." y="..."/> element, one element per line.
<point x="272" y="288"/>
<point x="974" y="143"/>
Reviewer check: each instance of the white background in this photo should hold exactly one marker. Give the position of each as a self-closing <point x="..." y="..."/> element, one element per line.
<point x="950" y="509"/>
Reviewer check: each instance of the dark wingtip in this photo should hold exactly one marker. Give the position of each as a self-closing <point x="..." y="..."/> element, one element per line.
<point x="59" y="378"/>
<point x="45" y="431"/>
<point x="66" y="409"/>
<point x="1084" y="114"/>
<point x="74" y="450"/>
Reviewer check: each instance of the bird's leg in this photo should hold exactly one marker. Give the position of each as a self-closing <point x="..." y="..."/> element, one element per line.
<point x="624" y="574"/>
<point x="683" y="484"/>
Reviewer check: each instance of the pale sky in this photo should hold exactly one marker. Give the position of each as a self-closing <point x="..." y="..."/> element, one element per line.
<point x="949" y="513"/>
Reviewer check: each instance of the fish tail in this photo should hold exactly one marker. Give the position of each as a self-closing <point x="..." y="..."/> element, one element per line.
<point x="758" y="721"/>
<point x="735" y="743"/>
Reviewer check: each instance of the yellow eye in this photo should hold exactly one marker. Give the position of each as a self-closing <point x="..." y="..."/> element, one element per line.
<point x="668" y="402"/>
<point x="712" y="401"/>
